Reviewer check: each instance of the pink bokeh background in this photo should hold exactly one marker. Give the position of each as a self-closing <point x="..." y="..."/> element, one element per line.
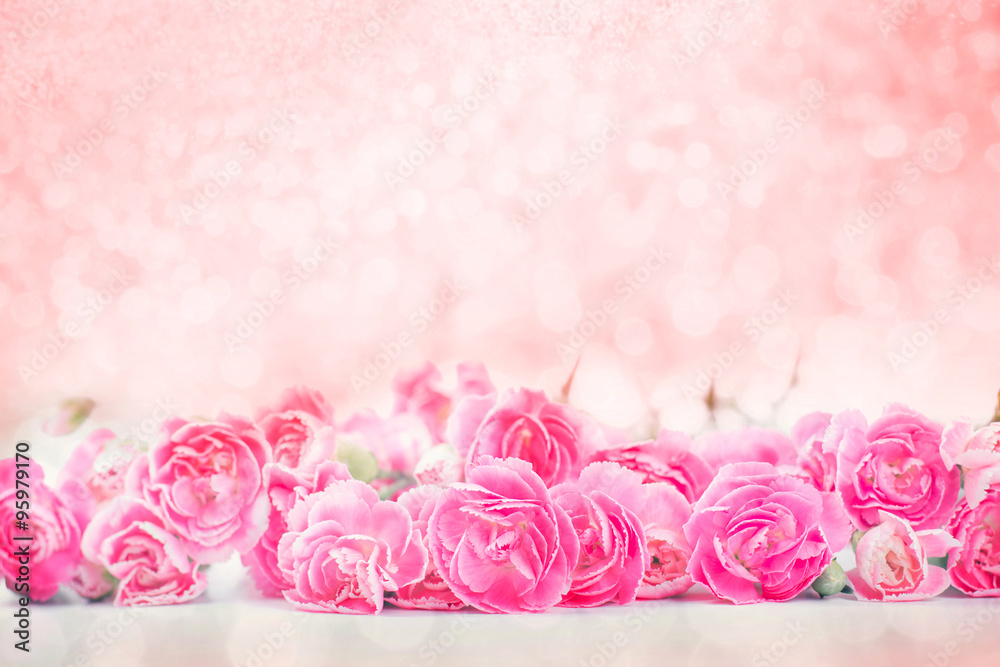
<point x="202" y="203"/>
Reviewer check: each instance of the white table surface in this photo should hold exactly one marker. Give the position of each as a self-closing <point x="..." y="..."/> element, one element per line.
<point x="231" y="625"/>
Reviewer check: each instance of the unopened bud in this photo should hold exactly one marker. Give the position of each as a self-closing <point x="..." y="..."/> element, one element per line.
<point x="831" y="581"/>
<point x="360" y="461"/>
<point x="70" y="415"/>
<point x="441" y="465"/>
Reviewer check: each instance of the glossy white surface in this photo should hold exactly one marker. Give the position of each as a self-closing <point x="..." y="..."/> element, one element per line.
<point x="231" y="625"/>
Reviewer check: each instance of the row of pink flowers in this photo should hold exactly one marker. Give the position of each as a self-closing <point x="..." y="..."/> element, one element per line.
<point x="507" y="501"/>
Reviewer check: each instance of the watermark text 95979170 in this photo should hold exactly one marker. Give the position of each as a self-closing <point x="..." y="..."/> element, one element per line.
<point x="21" y="537"/>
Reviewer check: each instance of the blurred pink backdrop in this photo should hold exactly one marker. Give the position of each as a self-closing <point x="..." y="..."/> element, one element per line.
<point x="201" y="203"/>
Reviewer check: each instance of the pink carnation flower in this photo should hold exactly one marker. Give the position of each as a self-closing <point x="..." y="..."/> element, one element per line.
<point x="892" y="562"/>
<point x="345" y="548"/>
<point x="753" y="444"/>
<point x="667" y="459"/>
<point x="500" y="542"/>
<point x="304" y="400"/>
<point x="130" y="541"/>
<point x="419" y="392"/>
<point x="93" y="476"/>
<point x="431" y="592"/>
<point x="664" y="513"/>
<point x="758" y="534"/>
<point x="398" y="442"/>
<point x="95" y="471"/>
<point x="299" y="428"/>
<point x="204" y="479"/>
<point x="894" y="465"/>
<point x="613" y="556"/>
<point x="51" y="557"/>
<point x="440" y="466"/>
<point x="554" y="438"/>
<point x="91" y="581"/>
<point x="284" y="486"/>
<point x="974" y="563"/>
<point x="816" y="453"/>
<point x="977" y="453"/>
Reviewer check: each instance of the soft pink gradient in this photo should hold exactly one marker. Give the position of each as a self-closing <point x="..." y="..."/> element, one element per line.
<point x="434" y="267"/>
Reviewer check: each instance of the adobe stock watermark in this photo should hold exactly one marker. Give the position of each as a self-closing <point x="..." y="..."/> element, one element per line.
<point x="562" y="13"/>
<point x="101" y="639"/>
<point x="753" y="329"/>
<point x="564" y="181"/>
<point x="595" y="320"/>
<point x="147" y="430"/>
<point x="605" y="651"/>
<point x="883" y="200"/>
<point x="230" y="172"/>
<point x="375" y="26"/>
<point x="92" y="137"/>
<point x="264" y="308"/>
<point x="86" y="312"/>
<point x="928" y="328"/>
<point x="813" y="96"/>
<point x="967" y="629"/>
<point x="32" y="26"/>
<point x="269" y="645"/>
<point x="779" y="649"/>
<point x="225" y="8"/>
<point x="434" y="649"/>
<point x="417" y="323"/>
<point x="899" y="12"/>
<point x="456" y="114"/>
<point x="708" y="28"/>
<point x="119" y="453"/>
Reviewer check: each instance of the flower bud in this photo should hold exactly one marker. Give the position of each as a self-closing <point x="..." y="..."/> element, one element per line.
<point x="68" y="418"/>
<point x="831" y="581"/>
<point x="858" y="534"/>
<point x="360" y="461"/>
<point x="441" y="465"/>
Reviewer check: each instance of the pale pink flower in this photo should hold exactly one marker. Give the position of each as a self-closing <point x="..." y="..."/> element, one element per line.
<point x="305" y="400"/>
<point x="758" y="534"/>
<point x="95" y="472"/>
<point x="129" y="540"/>
<point x="473" y="380"/>
<point x="71" y="414"/>
<point x="431" y="592"/>
<point x="299" y="428"/>
<point x="815" y="456"/>
<point x="977" y="453"/>
<point x="500" y="542"/>
<point x="284" y="486"/>
<point x="752" y="444"/>
<point x="51" y="556"/>
<point x="602" y="505"/>
<point x="398" y="441"/>
<point x="441" y="465"/>
<point x="892" y="562"/>
<point x="345" y="548"/>
<point x="668" y="459"/>
<point x="420" y="392"/>
<point x="554" y="438"/>
<point x="894" y="465"/>
<point x="93" y="476"/>
<point x="205" y="481"/>
<point x="91" y="580"/>
<point x="974" y="564"/>
<point x="663" y="514"/>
